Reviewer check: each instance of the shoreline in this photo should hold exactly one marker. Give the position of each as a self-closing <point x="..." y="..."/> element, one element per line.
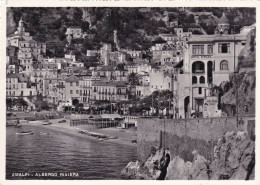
<point x="64" y="128"/>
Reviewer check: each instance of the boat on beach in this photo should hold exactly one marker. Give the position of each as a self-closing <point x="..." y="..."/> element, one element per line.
<point x="48" y="123"/>
<point x="24" y="132"/>
<point x="112" y="137"/>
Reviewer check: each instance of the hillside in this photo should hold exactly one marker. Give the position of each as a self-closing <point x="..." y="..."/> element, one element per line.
<point x="51" y="23"/>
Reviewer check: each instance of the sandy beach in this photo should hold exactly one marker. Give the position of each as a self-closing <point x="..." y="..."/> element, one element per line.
<point x="124" y="136"/>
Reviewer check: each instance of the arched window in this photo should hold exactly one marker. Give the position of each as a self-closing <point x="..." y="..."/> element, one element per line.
<point x="194" y="80"/>
<point x="198" y="67"/>
<point x="202" y="79"/>
<point x="224" y="65"/>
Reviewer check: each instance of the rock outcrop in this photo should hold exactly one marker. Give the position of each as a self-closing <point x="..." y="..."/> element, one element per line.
<point x="150" y="170"/>
<point x="234" y="159"/>
<point x="196" y="170"/>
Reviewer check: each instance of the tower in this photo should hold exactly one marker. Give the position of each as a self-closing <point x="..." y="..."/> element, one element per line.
<point x="223" y="25"/>
<point x="20" y="28"/>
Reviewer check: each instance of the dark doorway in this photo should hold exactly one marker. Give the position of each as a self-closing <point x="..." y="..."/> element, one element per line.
<point x="210" y="69"/>
<point x="186" y="106"/>
<point x="75" y="102"/>
<point x="199" y="106"/>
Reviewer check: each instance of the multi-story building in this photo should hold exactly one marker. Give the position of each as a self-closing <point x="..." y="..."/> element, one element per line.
<point x="19" y="35"/>
<point x="134" y="53"/>
<point x="160" y="81"/>
<point x="85" y="84"/>
<point x="75" y="32"/>
<point x="163" y="53"/>
<point x="208" y="61"/>
<point x="169" y="37"/>
<point x="72" y="90"/>
<point x="112" y="91"/>
<point x="19" y="85"/>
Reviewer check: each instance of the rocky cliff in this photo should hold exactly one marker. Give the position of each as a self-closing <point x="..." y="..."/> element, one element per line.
<point x="240" y="90"/>
<point x="234" y="159"/>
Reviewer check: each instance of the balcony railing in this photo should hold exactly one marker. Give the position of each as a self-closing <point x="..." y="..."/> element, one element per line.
<point x="198" y="71"/>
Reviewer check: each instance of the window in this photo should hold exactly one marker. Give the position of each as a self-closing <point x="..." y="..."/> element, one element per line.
<point x="77" y="91"/>
<point x="194" y="80"/>
<point x="224" y="65"/>
<point x="210" y="49"/>
<point x="77" y="83"/>
<point x="71" y="83"/>
<point x="71" y="91"/>
<point x="202" y="79"/>
<point x="224" y="48"/>
<point x="200" y="90"/>
<point x="197" y="49"/>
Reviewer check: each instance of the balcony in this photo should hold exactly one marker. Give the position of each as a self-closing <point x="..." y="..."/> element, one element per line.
<point x="198" y="71"/>
<point x="200" y="56"/>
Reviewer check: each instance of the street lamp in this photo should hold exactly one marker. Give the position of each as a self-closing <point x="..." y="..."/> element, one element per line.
<point x="169" y="99"/>
<point x="235" y="75"/>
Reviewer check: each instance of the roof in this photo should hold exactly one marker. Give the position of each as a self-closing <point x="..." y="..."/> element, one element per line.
<point x="215" y="38"/>
<point x="72" y="78"/>
<point x="179" y="64"/>
<point x="84" y="116"/>
<point x="32" y="41"/>
<point x="21" y="77"/>
<point x="223" y="19"/>
<point x="44" y="66"/>
<point x="110" y="116"/>
<point x="106" y="68"/>
<point x="111" y="83"/>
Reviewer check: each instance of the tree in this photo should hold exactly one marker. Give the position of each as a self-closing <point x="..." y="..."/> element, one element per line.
<point x="252" y="43"/>
<point x="85" y="26"/>
<point x="121" y="66"/>
<point x="77" y="16"/>
<point x="133" y="79"/>
<point x="9" y="103"/>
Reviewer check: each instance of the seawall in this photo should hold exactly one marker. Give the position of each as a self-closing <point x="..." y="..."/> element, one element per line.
<point x="182" y="136"/>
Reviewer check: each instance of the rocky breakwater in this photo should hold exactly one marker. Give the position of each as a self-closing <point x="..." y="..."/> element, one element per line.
<point x="234" y="159"/>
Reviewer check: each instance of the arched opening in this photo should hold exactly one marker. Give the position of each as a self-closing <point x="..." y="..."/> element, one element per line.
<point x="224" y="65"/>
<point x="198" y="67"/>
<point x="75" y="102"/>
<point x="194" y="80"/>
<point x="202" y="79"/>
<point x="186" y="106"/>
<point x="210" y="69"/>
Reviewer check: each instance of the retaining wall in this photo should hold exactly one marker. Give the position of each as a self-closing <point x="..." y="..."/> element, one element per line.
<point x="182" y="136"/>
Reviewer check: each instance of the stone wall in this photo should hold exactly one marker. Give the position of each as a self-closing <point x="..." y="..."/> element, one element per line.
<point x="182" y="136"/>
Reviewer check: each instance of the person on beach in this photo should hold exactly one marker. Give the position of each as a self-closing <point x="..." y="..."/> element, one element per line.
<point x="17" y="122"/>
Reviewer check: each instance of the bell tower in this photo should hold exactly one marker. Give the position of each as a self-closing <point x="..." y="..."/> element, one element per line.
<point x="223" y="25"/>
<point x="20" y="28"/>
